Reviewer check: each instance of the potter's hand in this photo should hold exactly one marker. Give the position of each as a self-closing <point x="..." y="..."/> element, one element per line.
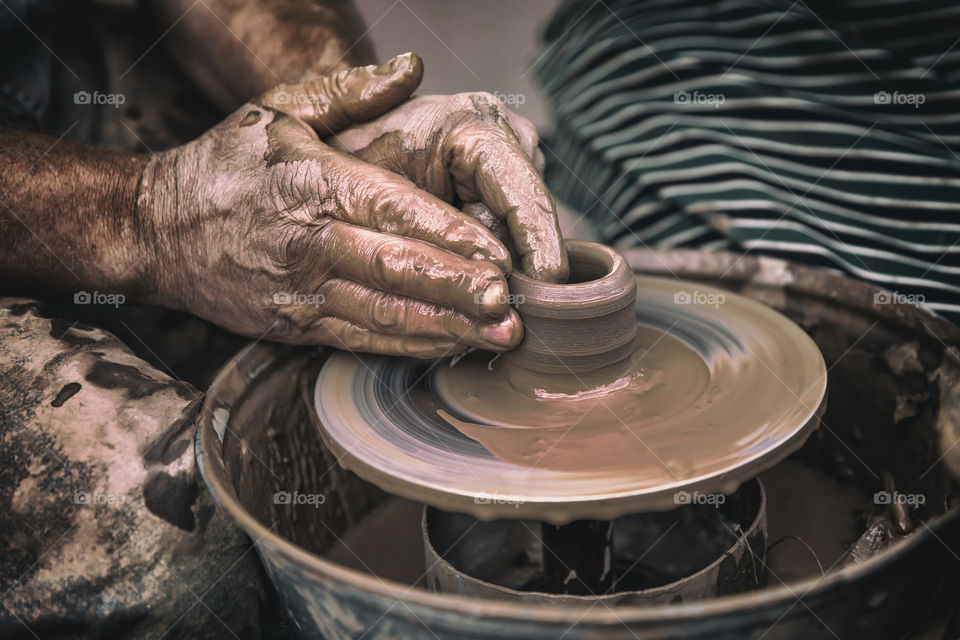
<point x="266" y="230"/>
<point x="469" y="146"/>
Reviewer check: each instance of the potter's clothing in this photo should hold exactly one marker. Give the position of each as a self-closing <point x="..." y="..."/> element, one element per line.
<point x="826" y="133"/>
<point x="85" y="71"/>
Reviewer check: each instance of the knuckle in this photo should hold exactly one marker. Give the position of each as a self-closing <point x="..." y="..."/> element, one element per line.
<point x="383" y="314"/>
<point x="389" y="257"/>
<point x="338" y="83"/>
<point x="478" y="107"/>
<point x="487" y="273"/>
<point x="421" y="350"/>
<point x="296" y="245"/>
<point x="343" y="335"/>
<point x="484" y="98"/>
<point x="357" y="339"/>
<point x="393" y="208"/>
<point x="525" y="131"/>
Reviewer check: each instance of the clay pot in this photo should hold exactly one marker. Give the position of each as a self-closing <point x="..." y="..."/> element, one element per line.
<point x="578" y="327"/>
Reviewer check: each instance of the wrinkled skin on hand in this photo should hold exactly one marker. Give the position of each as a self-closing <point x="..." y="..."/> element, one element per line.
<point x="469" y="147"/>
<point x="265" y="229"/>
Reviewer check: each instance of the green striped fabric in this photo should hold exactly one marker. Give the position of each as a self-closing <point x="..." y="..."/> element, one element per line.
<point x="826" y="133"/>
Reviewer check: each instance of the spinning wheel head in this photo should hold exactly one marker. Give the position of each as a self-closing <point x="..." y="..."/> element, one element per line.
<point x="673" y="389"/>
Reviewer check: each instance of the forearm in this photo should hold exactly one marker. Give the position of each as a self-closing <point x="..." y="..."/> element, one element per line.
<point x="68" y="218"/>
<point x="236" y="49"/>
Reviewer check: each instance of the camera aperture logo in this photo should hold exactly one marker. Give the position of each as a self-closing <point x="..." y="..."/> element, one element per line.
<point x="285" y="298"/>
<point x="85" y="297"/>
<point x="700" y="298"/>
<point x="685" y="497"/>
<point x="500" y="498"/>
<point x="296" y="498"/>
<point x="112" y="99"/>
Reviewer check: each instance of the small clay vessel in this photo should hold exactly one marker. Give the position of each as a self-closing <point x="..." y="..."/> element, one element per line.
<point x="579" y="328"/>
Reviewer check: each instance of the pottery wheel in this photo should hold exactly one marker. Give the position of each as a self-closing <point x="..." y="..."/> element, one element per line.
<point x="719" y="388"/>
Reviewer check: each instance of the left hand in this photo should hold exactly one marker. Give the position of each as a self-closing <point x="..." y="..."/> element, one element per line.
<point x="259" y="207"/>
<point x="468" y="146"/>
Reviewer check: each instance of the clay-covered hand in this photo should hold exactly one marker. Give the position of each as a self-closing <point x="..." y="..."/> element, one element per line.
<point x="264" y="229"/>
<point x="468" y="148"/>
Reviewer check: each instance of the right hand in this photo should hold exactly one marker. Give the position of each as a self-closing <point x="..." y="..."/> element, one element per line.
<point x="262" y="228"/>
<point x="470" y="147"/>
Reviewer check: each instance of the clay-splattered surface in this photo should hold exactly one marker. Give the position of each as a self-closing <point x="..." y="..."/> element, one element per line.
<point x="105" y="530"/>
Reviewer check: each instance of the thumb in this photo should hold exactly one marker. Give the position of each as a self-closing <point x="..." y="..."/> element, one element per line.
<point x="333" y="102"/>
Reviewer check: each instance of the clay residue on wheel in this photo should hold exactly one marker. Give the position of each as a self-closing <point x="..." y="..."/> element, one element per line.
<point x="582" y="422"/>
<point x="709" y="396"/>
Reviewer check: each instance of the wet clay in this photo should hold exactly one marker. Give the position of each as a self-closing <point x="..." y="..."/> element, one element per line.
<point x="547" y="421"/>
<point x="397" y="556"/>
<point x="588" y="387"/>
<point x="709" y="389"/>
<point x="580" y="328"/>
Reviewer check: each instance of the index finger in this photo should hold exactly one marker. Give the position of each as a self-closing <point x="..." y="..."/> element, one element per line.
<point x="492" y="166"/>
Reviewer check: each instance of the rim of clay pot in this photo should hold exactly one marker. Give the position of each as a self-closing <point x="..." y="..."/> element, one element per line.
<point x="600" y="282"/>
<point x="771" y="272"/>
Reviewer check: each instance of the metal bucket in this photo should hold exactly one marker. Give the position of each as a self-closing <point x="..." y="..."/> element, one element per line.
<point x="892" y="415"/>
<point x="695" y="552"/>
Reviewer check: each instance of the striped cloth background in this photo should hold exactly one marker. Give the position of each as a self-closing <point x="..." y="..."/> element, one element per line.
<point x="826" y="133"/>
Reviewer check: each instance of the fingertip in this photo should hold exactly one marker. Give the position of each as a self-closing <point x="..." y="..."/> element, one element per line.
<point x="410" y="64"/>
<point x="373" y="91"/>
<point x="555" y="271"/>
<point x="561" y="272"/>
<point x="503" y="335"/>
<point x="493" y="300"/>
<point x="406" y="68"/>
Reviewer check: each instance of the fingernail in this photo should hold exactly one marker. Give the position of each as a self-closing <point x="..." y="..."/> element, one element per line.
<point x="401" y="63"/>
<point x="252" y="117"/>
<point x="507" y="333"/>
<point x="493" y="300"/>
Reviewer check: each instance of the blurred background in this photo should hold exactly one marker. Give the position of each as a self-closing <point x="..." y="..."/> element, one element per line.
<point x="468" y="46"/>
